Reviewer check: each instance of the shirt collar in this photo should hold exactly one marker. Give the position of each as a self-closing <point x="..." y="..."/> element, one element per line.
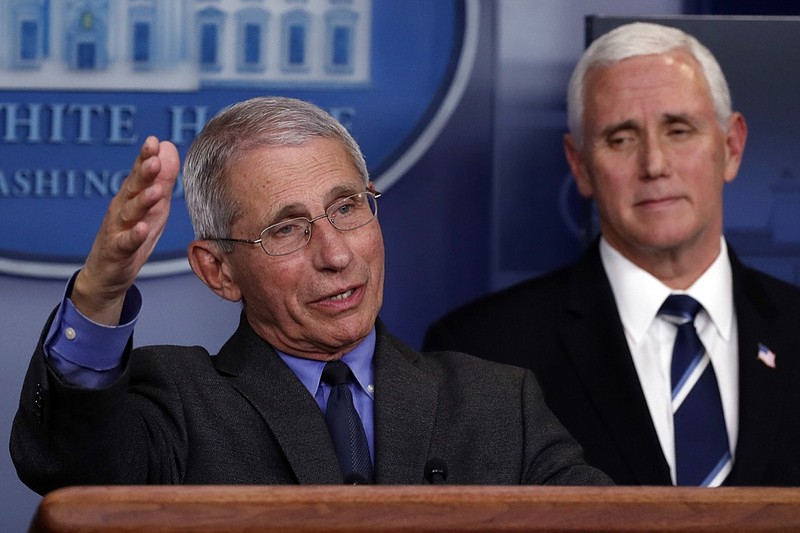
<point x="639" y="294"/>
<point x="309" y="371"/>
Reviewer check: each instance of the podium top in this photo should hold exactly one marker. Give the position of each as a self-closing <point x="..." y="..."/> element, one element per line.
<point x="417" y="508"/>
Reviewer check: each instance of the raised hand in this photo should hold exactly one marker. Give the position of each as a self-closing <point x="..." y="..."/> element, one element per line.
<point x="132" y="225"/>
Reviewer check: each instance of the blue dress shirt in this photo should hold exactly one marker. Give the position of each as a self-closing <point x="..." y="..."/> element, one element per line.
<point x="359" y="360"/>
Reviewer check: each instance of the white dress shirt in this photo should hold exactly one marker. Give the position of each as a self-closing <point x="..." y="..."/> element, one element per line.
<point x="639" y="296"/>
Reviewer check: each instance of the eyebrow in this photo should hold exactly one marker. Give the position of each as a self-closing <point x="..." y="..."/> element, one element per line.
<point x="286" y="212"/>
<point x="671" y="118"/>
<point x="341" y="191"/>
<point x="296" y="210"/>
<point x="620" y="126"/>
<point x="667" y="118"/>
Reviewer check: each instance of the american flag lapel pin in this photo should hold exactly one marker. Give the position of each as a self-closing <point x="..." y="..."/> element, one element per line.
<point x="766" y="356"/>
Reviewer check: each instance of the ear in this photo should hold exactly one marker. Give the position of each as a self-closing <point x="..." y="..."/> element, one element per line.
<point x="578" y="167"/>
<point x="211" y="265"/>
<point x="734" y="145"/>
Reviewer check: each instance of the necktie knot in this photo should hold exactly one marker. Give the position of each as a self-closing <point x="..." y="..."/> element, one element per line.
<point x="336" y="373"/>
<point x="680" y="306"/>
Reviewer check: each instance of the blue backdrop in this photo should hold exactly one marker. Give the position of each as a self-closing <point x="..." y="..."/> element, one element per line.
<point x="487" y="203"/>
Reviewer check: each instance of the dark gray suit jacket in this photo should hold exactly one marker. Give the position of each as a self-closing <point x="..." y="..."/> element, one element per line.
<point x="179" y="415"/>
<point x="566" y="328"/>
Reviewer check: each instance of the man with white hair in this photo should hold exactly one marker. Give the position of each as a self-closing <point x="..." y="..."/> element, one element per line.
<point x="311" y="388"/>
<point x="669" y="360"/>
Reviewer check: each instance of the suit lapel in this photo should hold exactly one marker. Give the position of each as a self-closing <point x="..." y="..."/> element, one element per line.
<point x="760" y="387"/>
<point x="595" y="341"/>
<point x="405" y="412"/>
<point x="294" y="418"/>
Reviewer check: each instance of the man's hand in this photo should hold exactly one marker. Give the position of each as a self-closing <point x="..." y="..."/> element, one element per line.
<point x="130" y="230"/>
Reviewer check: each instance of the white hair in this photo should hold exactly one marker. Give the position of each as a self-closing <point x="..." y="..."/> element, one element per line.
<point x="638" y="39"/>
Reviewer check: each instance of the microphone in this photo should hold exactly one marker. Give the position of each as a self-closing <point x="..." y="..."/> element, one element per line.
<point x="354" y="478"/>
<point x="436" y="471"/>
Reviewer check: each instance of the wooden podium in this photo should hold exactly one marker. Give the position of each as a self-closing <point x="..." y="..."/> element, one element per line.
<point x="417" y="508"/>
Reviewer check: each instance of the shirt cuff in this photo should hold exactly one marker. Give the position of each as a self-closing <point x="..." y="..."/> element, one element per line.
<point x="75" y="339"/>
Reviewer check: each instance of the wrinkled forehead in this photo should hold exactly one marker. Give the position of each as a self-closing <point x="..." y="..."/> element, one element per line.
<point x="296" y="178"/>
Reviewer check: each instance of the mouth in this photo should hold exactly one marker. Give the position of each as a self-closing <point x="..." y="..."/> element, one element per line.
<point x="658" y="202"/>
<point x="342" y="295"/>
<point x="340" y="300"/>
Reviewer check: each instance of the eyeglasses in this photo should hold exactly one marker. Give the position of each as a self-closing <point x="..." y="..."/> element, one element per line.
<point x="287" y="236"/>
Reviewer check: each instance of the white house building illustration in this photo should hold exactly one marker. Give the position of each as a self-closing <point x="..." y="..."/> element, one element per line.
<point x="181" y="45"/>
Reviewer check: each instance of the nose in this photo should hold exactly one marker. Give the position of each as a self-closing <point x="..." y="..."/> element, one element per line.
<point x="331" y="248"/>
<point x="655" y="162"/>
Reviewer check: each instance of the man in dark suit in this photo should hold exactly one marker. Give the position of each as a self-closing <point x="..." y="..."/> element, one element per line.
<point x="653" y="140"/>
<point x="311" y="388"/>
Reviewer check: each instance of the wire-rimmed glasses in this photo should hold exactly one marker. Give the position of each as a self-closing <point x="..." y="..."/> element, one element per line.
<point x="287" y="236"/>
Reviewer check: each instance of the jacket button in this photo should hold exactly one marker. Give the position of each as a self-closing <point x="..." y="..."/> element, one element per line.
<point x="38" y="402"/>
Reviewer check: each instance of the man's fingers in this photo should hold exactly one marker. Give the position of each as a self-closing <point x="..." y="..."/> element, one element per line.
<point x="135" y="209"/>
<point x="145" y="169"/>
<point x="170" y="160"/>
<point x="151" y="181"/>
<point x="131" y="240"/>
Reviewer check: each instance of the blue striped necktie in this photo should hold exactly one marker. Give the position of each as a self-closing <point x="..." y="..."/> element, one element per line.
<point x="345" y="426"/>
<point x="702" y="452"/>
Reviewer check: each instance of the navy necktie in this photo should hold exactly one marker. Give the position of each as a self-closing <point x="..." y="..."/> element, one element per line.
<point x="702" y="453"/>
<point x="344" y="425"/>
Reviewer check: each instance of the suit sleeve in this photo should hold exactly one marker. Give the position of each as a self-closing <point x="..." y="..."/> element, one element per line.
<point x="68" y="435"/>
<point x="552" y="456"/>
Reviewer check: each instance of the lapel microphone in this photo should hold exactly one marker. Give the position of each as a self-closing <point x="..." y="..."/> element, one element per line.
<point x="354" y="478"/>
<point x="436" y="471"/>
